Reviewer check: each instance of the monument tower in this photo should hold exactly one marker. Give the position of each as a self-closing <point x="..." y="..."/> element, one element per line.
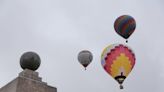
<point x="28" y="80"/>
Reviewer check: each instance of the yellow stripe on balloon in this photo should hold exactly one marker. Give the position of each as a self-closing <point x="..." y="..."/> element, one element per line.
<point x="121" y="64"/>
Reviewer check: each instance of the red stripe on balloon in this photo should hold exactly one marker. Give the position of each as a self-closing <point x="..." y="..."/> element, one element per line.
<point x="112" y="56"/>
<point x="125" y="26"/>
<point x="117" y="22"/>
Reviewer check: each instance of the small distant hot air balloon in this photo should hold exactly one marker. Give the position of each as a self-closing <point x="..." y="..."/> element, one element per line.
<point x="118" y="61"/>
<point x="125" y="25"/>
<point x="85" y="58"/>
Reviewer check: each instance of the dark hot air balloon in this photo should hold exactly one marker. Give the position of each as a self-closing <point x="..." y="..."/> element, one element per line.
<point x="125" y="25"/>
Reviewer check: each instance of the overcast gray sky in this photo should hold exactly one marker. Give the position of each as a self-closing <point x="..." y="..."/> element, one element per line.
<point x="59" y="29"/>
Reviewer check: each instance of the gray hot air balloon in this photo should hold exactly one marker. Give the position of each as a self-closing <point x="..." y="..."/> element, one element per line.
<point x="85" y="58"/>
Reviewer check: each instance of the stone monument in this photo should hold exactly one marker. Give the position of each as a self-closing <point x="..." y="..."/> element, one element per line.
<point x="28" y="80"/>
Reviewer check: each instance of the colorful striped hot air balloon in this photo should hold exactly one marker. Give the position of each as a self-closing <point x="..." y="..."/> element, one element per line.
<point x="118" y="60"/>
<point x="125" y="26"/>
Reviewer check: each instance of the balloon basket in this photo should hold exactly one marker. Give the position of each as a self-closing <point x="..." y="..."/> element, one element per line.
<point x="121" y="86"/>
<point x="126" y="41"/>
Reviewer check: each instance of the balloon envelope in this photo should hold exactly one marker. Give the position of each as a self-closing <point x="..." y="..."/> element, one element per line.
<point x="125" y="26"/>
<point x="85" y="58"/>
<point x="118" y="60"/>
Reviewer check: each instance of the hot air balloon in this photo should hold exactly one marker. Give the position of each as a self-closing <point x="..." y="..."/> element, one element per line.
<point x="118" y="61"/>
<point x="125" y="25"/>
<point x="85" y="58"/>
